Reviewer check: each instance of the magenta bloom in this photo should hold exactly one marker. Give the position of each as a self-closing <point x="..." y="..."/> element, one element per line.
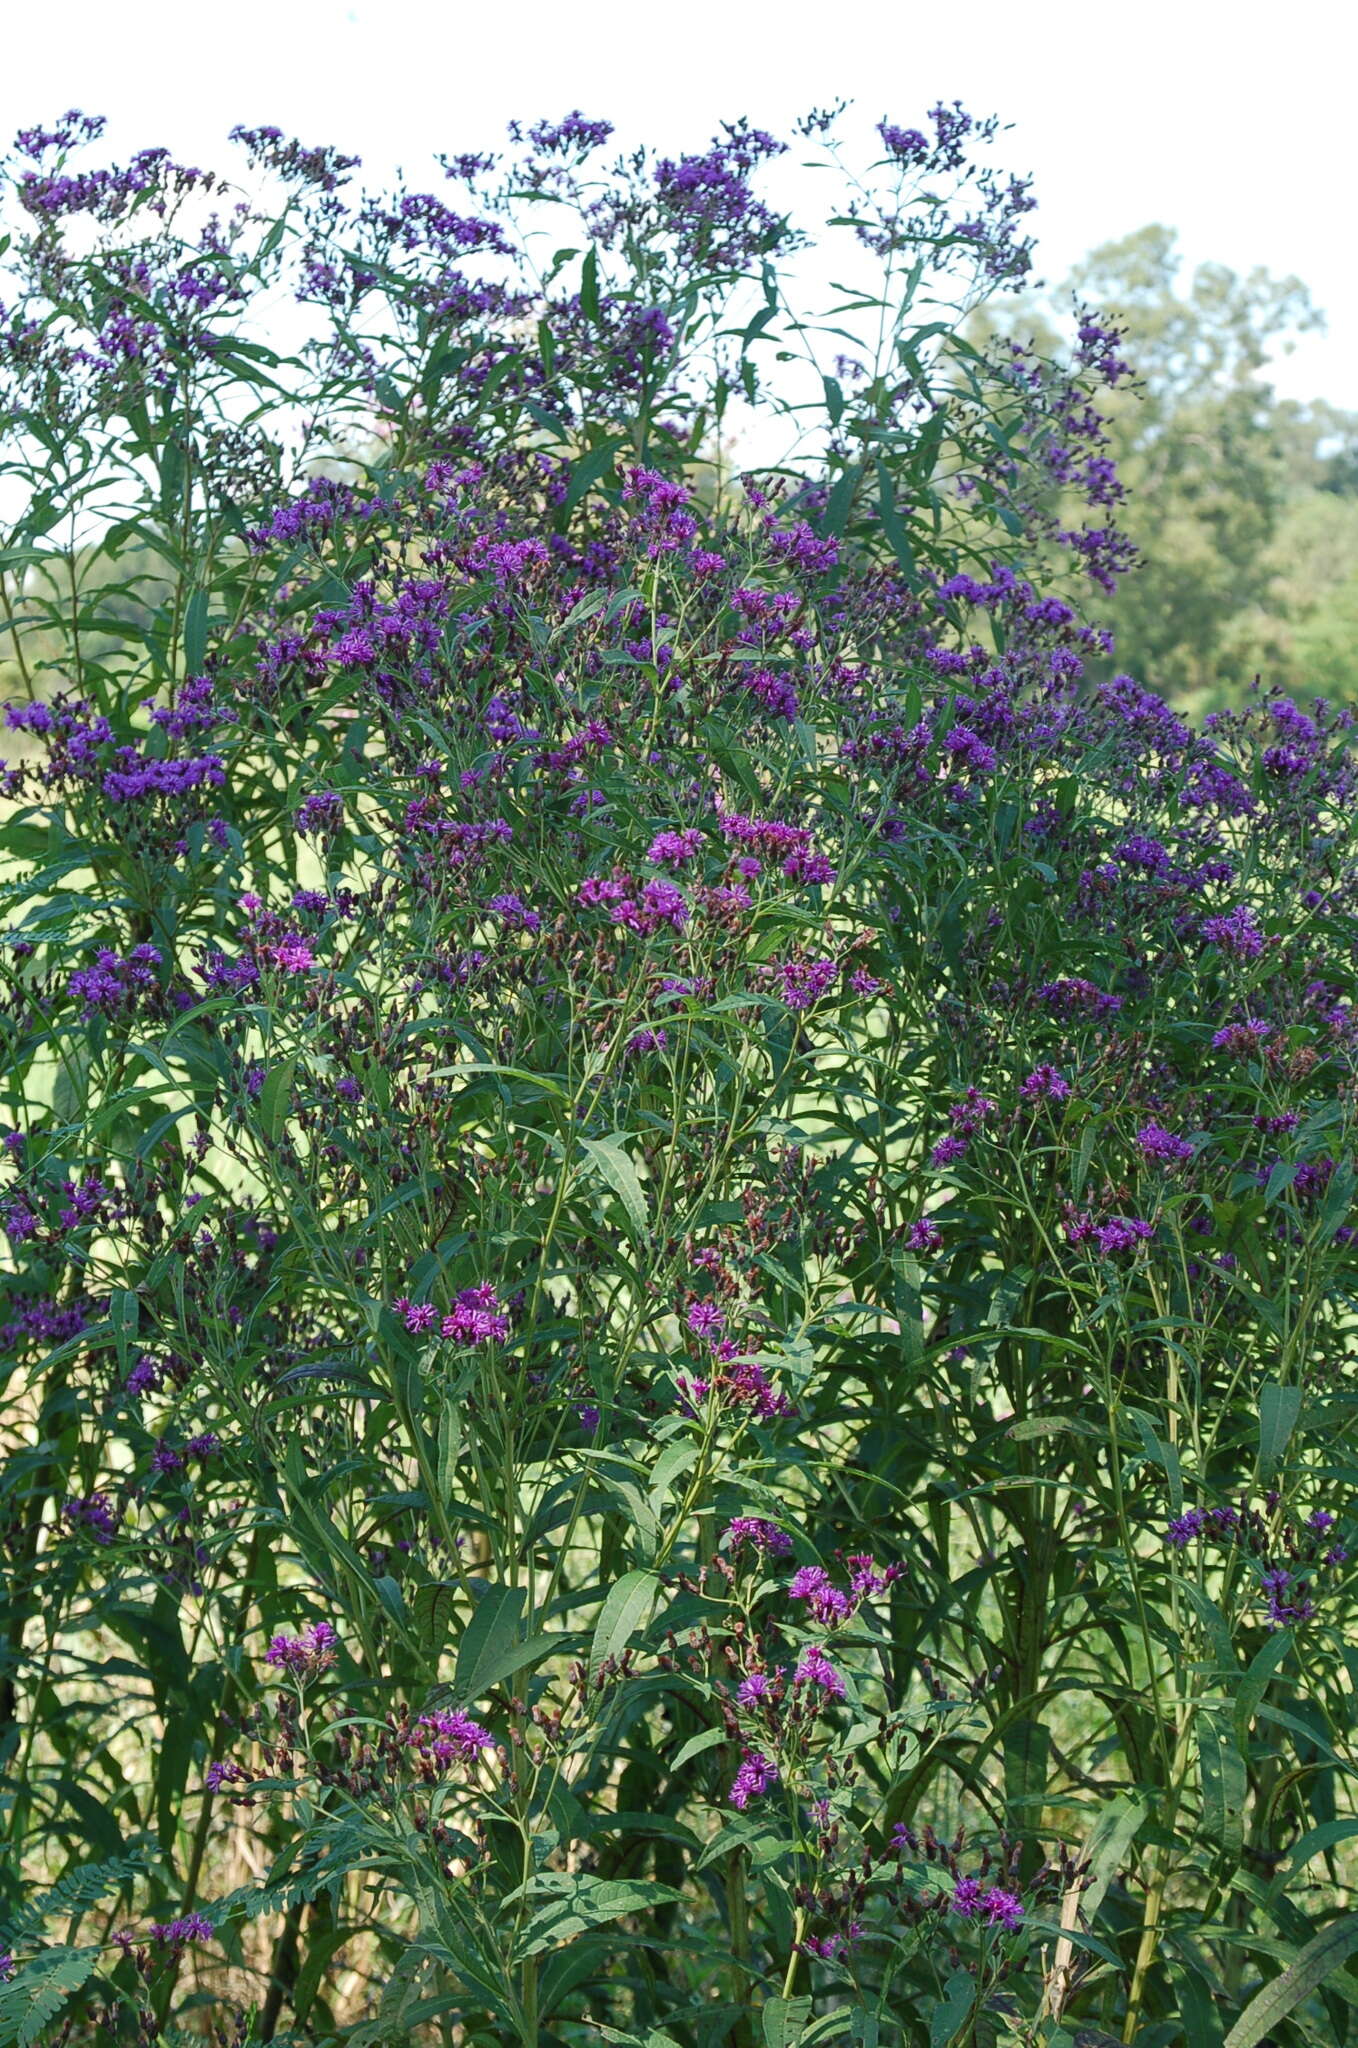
<point x="806" y="981"/>
<point x="763" y="1536"/>
<point x="94" y="1513"/>
<point x="1162" y="1147"/>
<point x="1122" y="1234"/>
<point x="814" y="1668"/>
<point x="1244" y="1039"/>
<point x="446" y="1738"/>
<point x="225" y="1772"/>
<point x="753" y="1779"/>
<point x="305" y="1655"/>
<point x="813" y="1584"/>
<point x="1236" y="934"/>
<point x="293" y="954"/>
<point x="1002" y="1909"/>
<point x="178" y="1933"/>
<point x="675" y="847"/>
<point x="1044" y="1084"/>
<point x="477" y="1318"/>
<point x="705" y="1319"/>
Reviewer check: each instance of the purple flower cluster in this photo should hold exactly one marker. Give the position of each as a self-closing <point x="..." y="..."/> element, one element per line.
<point x="306" y="1655"/>
<point x="765" y="1537"/>
<point x="477" y="1317"/>
<point x="755" y="1777"/>
<point x="95" y="1514"/>
<point x="992" y="1903"/>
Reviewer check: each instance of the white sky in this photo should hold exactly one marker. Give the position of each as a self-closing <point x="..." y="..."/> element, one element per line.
<point x="1234" y="123"/>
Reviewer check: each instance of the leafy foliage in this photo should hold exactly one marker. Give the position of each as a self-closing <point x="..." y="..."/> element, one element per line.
<point x="680" y="1276"/>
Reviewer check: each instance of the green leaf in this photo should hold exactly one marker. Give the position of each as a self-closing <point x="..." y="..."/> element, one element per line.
<point x="34" y="1997"/>
<point x="696" y="1744"/>
<point x="1113" y="1835"/>
<point x="627" y="1601"/>
<point x="589" y="469"/>
<point x="1317" y="1840"/>
<point x="432" y="1609"/>
<point x="274" y="1099"/>
<point x="124" y="1312"/>
<point x="582" y="1902"/>
<point x="1279" y="1408"/>
<point x="1255" y="1683"/>
<point x="589" y="286"/>
<point x="615" y="1164"/>
<point x="1214" y="1623"/>
<point x="489" y="1633"/>
<point x="893" y="526"/>
<point x="195" y="632"/>
<point x="947" y="2019"/>
<point x="1222" y="1770"/>
<point x="783" y="2019"/>
<point x="1303" y="1975"/>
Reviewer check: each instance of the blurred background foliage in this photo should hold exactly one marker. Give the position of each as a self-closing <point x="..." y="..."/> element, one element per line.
<point x="1244" y="506"/>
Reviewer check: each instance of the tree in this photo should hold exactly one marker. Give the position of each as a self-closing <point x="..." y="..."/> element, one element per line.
<point x="1230" y="488"/>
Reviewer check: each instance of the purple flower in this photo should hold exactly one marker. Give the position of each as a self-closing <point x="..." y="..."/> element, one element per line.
<point x="968" y="1115"/>
<point x="1044" y="1084"/>
<point x="94" y="1513"/>
<point x="1236" y="934"/>
<point x="1002" y="1908"/>
<point x="145" y="1375"/>
<point x="449" y="1737"/>
<point x="705" y="1319"/>
<point x="292" y="953"/>
<point x="511" y="910"/>
<point x="304" y="1655"/>
<point x="1161" y="1146"/>
<point x="813" y="1584"/>
<point x="477" y="1318"/>
<point x="815" y="1669"/>
<point x="1073" y="996"/>
<point x="966" y="1898"/>
<point x="663" y="903"/>
<point x="674" y="848"/>
<point x="113" y="983"/>
<point x="225" y="1772"/>
<point x="1122" y="1234"/>
<point x="1244" y="1038"/>
<point x="809" y="868"/>
<point x="322" y="814"/>
<point x="754" y="1690"/>
<point x="753" y="1779"/>
<point x="765" y="1537"/>
<point x="924" y="1236"/>
<point x="572" y="136"/>
<point x="178" y="1933"/>
<point x="806" y="981"/>
<point x="907" y="145"/>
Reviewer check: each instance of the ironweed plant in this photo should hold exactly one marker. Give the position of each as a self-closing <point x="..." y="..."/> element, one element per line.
<point x="680" y="1267"/>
